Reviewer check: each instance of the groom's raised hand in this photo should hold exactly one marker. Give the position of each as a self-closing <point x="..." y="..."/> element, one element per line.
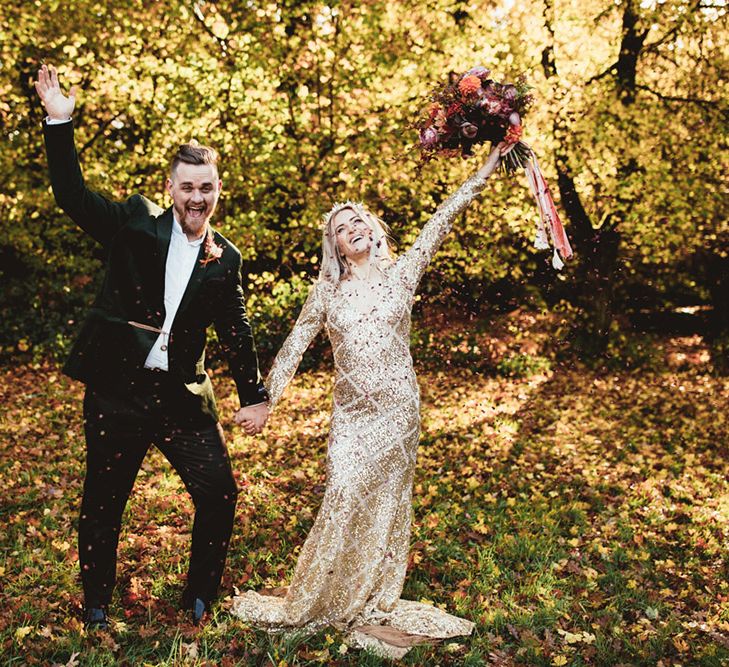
<point x="58" y="106"/>
<point x="252" y="418"/>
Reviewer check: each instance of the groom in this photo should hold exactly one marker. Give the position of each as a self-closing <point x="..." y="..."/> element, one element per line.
<point x="141" y="354"/>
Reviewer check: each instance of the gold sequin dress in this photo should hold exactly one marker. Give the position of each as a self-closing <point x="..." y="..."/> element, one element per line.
<point x="351" y="569"/>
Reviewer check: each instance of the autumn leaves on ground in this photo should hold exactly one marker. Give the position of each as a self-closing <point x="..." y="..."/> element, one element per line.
<point x="579" y="516"/>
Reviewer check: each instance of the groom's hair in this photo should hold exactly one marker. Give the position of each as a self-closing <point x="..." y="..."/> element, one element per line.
<point x="194" y="153"/>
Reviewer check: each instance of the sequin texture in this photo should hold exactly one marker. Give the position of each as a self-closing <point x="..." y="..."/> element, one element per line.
<point x="352" y="566"/>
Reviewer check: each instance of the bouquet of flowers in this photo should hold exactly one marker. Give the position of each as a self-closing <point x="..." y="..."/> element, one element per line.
<point x="471" y="109"/>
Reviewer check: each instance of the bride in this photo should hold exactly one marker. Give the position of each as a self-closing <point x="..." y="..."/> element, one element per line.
<point x="351" y="569"/>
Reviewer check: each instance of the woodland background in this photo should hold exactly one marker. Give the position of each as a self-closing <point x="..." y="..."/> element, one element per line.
<point x="311" y="103"/>
<point x="620" y="358"/>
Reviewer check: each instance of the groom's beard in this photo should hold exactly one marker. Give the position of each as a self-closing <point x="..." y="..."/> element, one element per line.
<point x="194" y="224"/>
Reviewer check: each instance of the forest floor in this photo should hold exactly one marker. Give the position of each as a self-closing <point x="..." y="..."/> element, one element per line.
<point x="578" y="515"/>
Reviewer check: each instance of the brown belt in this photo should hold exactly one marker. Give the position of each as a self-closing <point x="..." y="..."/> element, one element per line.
<point x="146" y="327"/>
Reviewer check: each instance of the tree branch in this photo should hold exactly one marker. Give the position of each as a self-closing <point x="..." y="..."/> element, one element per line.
<point x="603" y="74"/>
<point x="706" y="104"/>
<point x="96" y="135"/>
<point x="220" y="41"/>
<point x="672" y="32"/>
<point x="571" y="201"/>
<point x="631" y="48"/>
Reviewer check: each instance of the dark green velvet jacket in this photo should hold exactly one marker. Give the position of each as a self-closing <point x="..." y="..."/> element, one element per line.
<point x="135" y="235"/>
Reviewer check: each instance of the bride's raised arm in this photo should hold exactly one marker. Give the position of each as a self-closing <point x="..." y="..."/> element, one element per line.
<point x="418" y="256"/>
<point x="310" y="321"/>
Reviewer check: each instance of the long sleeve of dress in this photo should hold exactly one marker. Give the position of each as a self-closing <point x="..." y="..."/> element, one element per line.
<point x="414" y="262"/>
<point x="310" y="321"/>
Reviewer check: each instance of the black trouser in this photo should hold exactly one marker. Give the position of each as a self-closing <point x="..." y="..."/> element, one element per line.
<point x="120" y="425"/>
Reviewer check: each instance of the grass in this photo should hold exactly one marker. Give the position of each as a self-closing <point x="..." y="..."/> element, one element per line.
<point x="577" y="516"/>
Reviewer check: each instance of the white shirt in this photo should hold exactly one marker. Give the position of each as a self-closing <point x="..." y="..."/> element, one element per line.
<point x="181" y="258"/>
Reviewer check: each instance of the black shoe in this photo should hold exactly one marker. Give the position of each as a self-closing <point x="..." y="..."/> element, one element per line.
<point x="95" y="618"/>
<point x="198" y="609"/>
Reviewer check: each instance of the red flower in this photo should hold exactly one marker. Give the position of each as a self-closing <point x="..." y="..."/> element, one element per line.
<point x="454" y="108"/>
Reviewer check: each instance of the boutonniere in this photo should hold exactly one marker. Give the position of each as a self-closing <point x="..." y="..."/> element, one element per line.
<point x="212" y="252"/>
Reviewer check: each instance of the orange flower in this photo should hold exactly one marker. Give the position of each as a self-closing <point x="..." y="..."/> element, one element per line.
<point x="434" y="109"/>
<point x="513" y="134"/>
<point x="468" y="85"/>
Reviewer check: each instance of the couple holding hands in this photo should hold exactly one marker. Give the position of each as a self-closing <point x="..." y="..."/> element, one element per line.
<point x="141" y="354"/>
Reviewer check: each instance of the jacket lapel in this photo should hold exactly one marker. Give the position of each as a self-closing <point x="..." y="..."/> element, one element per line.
<point x="164" y="234"/>
<point x="163" y="230"/>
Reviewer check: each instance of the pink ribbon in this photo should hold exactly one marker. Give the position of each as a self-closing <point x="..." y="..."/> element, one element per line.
<point x="548" y="218"/>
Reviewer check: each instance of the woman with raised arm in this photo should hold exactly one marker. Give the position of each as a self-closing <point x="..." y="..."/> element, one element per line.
<point x="351" y="569"/>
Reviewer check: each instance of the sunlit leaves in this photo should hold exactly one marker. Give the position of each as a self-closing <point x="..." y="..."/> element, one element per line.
<point x="310" y="103"/>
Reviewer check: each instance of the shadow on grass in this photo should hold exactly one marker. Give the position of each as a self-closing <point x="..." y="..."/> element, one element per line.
<point x="596" y="524"/>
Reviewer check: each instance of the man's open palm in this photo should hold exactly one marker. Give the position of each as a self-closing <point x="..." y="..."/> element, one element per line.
<point x="58" y="105"/>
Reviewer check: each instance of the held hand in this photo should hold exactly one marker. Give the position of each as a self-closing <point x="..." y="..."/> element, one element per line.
<point x="252" y="418"/>
<point x="493" y="159"/>
<point x="58" y="106"/>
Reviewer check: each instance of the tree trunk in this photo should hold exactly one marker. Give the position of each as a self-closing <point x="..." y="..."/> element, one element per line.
<point x="598" y="276"/>
<point x="718" y="335"/>
<point x="598" y="249"/>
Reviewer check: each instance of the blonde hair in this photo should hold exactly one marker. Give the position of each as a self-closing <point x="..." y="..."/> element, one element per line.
<point x="334" y="267"/>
